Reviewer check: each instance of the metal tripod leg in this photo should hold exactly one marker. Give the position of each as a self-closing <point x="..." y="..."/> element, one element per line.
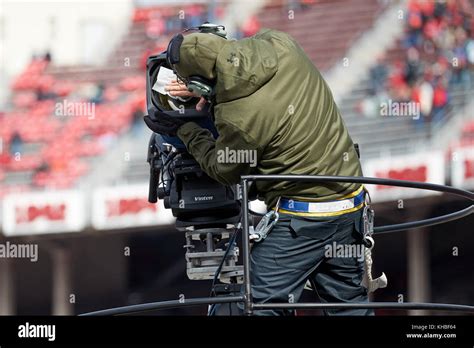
<point x="248" y="303"/>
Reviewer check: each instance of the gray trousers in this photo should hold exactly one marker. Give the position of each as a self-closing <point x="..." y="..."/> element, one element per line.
<point x="297" y="250"/>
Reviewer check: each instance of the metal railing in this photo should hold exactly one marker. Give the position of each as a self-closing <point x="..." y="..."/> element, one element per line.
<point x="246" y="297"/>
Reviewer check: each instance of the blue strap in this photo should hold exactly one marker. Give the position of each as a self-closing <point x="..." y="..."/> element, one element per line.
<point x="303" y="207"/>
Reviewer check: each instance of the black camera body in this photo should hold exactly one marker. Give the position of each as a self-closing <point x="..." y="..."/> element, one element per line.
<point x="194" y="198"/>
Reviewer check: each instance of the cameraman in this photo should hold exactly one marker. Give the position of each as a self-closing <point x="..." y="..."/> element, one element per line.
<point x="270" y="99"/>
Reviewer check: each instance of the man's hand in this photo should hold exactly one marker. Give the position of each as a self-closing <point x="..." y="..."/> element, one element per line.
<point x="178" y="89"/>
<point x="164" y="124"/>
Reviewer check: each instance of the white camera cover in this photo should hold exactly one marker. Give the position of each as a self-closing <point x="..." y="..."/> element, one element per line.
<point x="165" y="77"/>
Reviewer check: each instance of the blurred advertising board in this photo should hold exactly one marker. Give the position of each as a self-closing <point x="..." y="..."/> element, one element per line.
<point x="125" y="207"/>
<point x="462" y="167"/>
<point x="428" y="167"/>
<point x="43" y="212"/>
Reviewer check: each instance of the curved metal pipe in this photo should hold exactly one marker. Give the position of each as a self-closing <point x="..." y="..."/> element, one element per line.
<point x="371" y="305"/>
<point x="426" y="222"/>
<point x="363" y="180"/>
<point x="389" y="182"/>
<point x="249" y="306"/>
<point x="165" y="305"/>
<point x="260" y="306"/>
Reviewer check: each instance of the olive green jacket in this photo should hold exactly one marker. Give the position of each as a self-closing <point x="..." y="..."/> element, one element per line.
<point x="270" y="99"/>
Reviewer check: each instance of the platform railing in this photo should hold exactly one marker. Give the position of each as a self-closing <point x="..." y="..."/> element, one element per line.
<point x="246" y="297"/>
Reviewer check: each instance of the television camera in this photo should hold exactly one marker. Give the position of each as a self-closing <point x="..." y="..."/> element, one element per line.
<point x="205" y="210"/>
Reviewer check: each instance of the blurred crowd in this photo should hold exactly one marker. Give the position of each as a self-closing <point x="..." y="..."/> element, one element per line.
<point x="438" y="47"/>
<point x="160" y="23"/>
<point x="58" y="150"/>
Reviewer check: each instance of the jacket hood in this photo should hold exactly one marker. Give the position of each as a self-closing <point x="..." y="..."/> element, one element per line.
<point x="239" y="67"/>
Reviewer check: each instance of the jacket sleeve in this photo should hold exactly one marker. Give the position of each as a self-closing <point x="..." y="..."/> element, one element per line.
<point x="224" y="159"/>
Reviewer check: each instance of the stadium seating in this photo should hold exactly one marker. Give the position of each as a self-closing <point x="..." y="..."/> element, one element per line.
<point x="325" y="29"/>
<point x="60" y="149"/>
<point x="325" y="36"/>
<point x="64" y="142"/>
